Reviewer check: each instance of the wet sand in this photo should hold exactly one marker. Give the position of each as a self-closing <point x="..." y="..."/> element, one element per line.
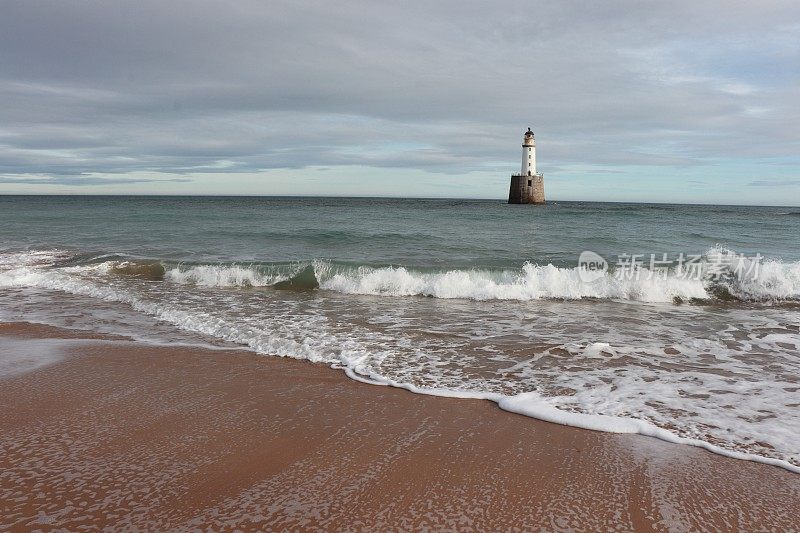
<point x="120" y="434"/>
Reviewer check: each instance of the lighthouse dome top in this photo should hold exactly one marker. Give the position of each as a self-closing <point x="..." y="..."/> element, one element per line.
<point x="529" y="132"/>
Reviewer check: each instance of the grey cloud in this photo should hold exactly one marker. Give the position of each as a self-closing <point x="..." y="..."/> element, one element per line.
<point x="116" y="87"/>
<point x="775" y="183"/>
<point x="82" y="180"/>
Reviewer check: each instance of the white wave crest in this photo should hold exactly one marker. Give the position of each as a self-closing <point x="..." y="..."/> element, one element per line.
<point x="748" y="280"/>
<point x="10" y="260"/>
<point x="201" y="275"/>
<point x="768" y="280"/>
<point x="226" y="276"/>
<point x="534" y="282"/>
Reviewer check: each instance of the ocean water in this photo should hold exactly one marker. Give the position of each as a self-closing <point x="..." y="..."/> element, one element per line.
<point x="691" y="334"/>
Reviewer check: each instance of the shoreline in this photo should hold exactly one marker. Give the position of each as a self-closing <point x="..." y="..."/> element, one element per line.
<point x="531" y="405"/>
<point x="125" y="434"/>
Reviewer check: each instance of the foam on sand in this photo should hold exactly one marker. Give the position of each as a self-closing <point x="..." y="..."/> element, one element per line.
<point x="18" y="356"/>
<point x="532" y="405"/>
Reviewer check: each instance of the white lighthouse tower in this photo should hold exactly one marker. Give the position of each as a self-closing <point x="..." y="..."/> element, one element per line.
<point x="529" y="154"/>
<point x="527" y="187"/>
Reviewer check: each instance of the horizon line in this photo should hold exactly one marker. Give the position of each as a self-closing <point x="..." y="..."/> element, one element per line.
<point x="344" y="197"/>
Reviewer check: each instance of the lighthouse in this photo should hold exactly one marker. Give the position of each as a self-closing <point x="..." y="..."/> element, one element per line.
<point x="529" y="154"/>
<point x="527" y="187"/>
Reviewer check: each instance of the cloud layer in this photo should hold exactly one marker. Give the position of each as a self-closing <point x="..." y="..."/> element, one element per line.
<point x="179" y="87"/>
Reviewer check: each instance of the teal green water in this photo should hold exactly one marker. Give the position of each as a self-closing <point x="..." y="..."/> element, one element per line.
<point x="415" y="233"/>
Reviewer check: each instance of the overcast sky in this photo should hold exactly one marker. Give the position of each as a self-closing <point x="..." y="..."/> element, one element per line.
<point x="645" y="101"/>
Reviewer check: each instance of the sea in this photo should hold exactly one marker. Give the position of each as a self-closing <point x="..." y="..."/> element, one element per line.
<point x="680" y="322"/>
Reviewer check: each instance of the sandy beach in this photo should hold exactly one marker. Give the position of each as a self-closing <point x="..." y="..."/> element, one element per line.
<point x="119" y="434"/>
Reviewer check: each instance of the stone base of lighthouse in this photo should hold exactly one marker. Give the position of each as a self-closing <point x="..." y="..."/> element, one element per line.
<point x="526" y="189"/>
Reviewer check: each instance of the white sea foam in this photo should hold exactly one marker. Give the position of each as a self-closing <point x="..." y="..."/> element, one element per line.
<point x="227" y="275"/>
<point x="533" y="405"/>
<point x="775" y="281"/>
<point x="18" y="356"/>
<point x="534" y="282"/>
<point x="750" y="281"/>
<point x="185" y="317"/>
<point x="30" y="258"/>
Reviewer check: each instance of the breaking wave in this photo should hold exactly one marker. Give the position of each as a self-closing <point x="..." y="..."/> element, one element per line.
<point x="775" y="281"/>
<point x="151" y="271"/>
<point x="767" y="281"/>
<point x="532" y="282"/>
<point x="230" y="275"/>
